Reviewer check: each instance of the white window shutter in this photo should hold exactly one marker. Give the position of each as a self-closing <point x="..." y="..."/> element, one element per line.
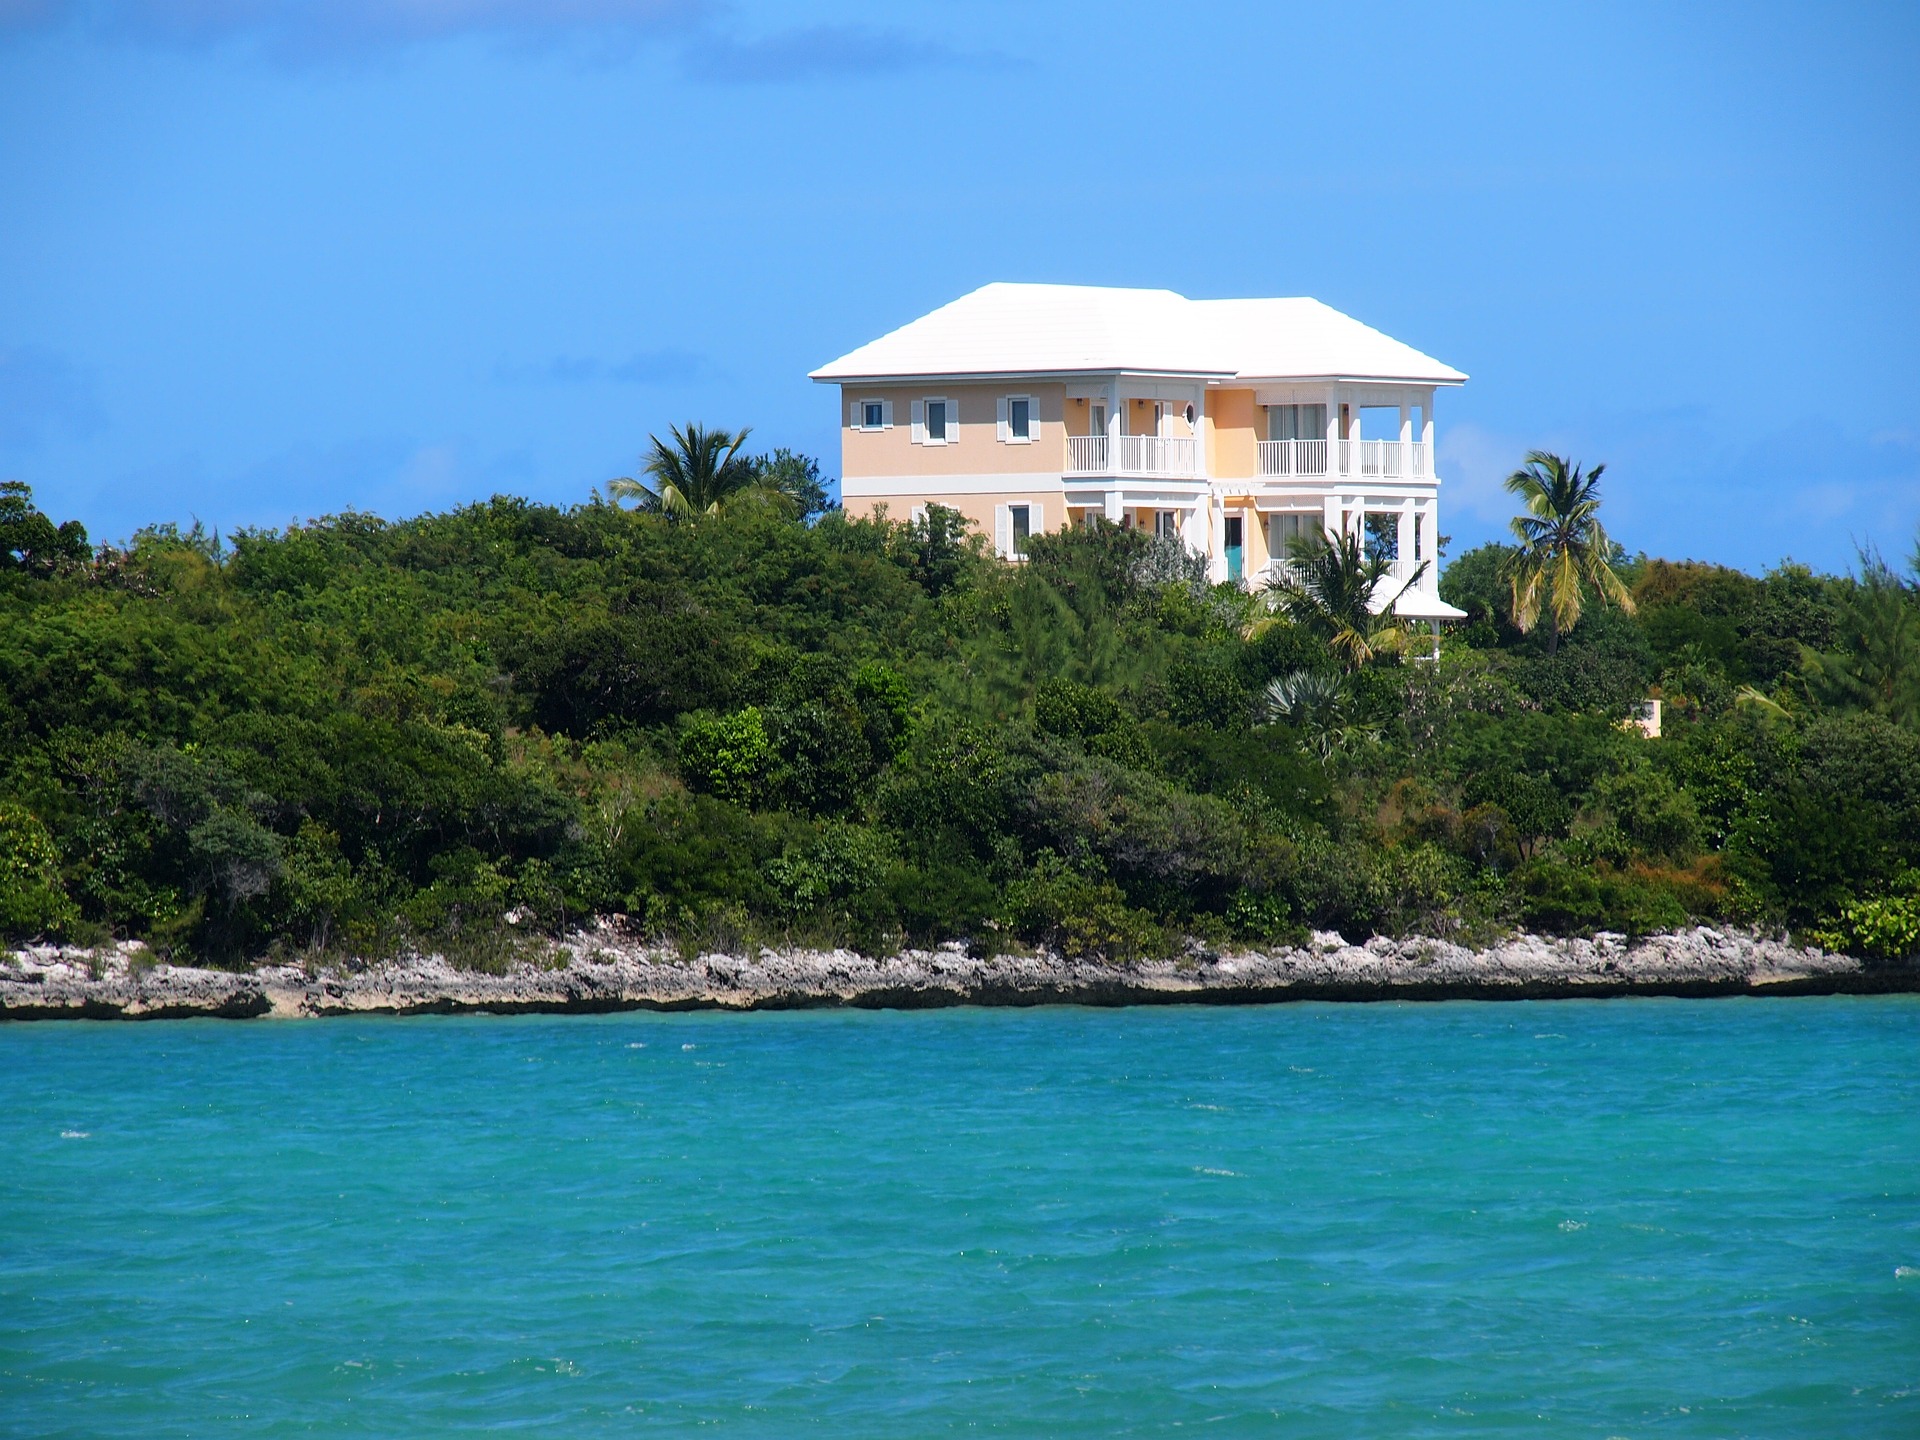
<point x="953" y="420"/>
<point x="1003" y="530"/>
<point x="853" y="414"/>
<point x="1000" y="420"/>
<point x="919" y="422"/>
<point x="886" y="414"/>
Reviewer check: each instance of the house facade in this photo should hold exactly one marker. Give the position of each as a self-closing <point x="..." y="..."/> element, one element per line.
<point x="1232" y="425"/>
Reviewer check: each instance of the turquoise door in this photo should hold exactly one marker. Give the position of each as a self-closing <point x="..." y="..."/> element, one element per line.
<point x="1236" y="547"/>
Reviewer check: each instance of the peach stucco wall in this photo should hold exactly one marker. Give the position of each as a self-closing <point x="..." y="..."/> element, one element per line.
<point x="979" y="450"/>
<point x="1049" y="507"/>
<point x="1232" y="449"/>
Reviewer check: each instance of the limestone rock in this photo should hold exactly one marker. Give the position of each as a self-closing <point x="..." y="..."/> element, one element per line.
<point x="602" y="969"/>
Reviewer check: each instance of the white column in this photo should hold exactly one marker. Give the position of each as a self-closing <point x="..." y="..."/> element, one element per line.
<point x="1199" y="428"/>
<point x="1404" y="539"/>
<point x="1216" y="539"/>
<point x="1406" y="439"/>
<point x="1110" y="505"/>
<point x="1426" y="427"/>
<point x="1430" y="582"/>
<point x="1333" y="432"/>
<point x="1331" y="519"/>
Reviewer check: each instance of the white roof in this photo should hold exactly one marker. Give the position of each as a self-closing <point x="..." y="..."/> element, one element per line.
<point x="1413" y="603"/>
<point x="1006" y="329"/>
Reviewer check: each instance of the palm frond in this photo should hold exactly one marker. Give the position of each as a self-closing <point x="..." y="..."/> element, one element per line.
<point x="1563" y="550"/>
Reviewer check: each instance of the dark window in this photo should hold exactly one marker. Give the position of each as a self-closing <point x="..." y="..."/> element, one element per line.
<point x="1018" y="417"/>
<point x="1022" y="528"/>
<point x="936" y="420"/>
<point x="873" y="415"/>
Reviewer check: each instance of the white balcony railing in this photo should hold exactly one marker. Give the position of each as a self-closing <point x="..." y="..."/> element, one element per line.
<point x="1133" y="455"/>
<point x="1293" y="457"/>
<point x="1279" y="459"/>
<point x="1383" y="459"/>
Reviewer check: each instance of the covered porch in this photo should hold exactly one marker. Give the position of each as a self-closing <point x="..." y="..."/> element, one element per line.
<point x="1136" y="427"/>
<point x="1168" y="507"/>
<point x="1257" y="528"/>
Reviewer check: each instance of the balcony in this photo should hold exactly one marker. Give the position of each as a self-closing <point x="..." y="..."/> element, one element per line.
<point x="1284" y="459"/>
<point x="1160" y="455"/>
<point x="1357" y="459"/>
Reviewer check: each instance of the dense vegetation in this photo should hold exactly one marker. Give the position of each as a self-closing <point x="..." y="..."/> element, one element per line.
<point x="744" y="720"/>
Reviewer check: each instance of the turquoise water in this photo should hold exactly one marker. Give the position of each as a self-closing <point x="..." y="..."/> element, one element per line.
<point x="1626" y="1218"/>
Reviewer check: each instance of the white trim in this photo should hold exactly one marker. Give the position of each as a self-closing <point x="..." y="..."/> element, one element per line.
<point x="866" y="487"/>
<point x="1137" y="497"/>
<point x="1008" y="434"/>
<point x="1003" y="536"/>
<point x="858" y="415"/>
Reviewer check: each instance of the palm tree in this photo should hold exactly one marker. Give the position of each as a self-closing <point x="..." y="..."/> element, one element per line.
<point x="1318" y="703"/>
<point x="700" y="473"/>
<point x="1332" y="588"/>
<point x="1564" y="551"/>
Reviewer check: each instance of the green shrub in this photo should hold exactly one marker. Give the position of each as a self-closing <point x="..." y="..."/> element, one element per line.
<point x="33" y="902"/>
<point x="1562" y="899"/>
<point x="728" y="756"/>
<point x="1884" y="927"/>
<point x="1653" y="813"/>
<point x="1261" y="917"/>
<point x="1079" y="917"/>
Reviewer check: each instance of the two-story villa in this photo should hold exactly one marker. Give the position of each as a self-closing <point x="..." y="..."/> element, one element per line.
<point x="1232" y="424"/>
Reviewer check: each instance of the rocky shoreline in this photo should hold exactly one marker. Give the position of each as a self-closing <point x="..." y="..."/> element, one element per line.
<point x="600" y="970"/>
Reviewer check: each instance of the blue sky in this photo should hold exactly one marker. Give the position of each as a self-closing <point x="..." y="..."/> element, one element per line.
<point x="261" y="261"/>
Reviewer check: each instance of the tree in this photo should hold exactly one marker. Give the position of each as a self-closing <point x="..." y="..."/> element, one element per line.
<point x="31" y="542"/>
<point x="699" y="474"/>
<point x="797" y="477"/>
<point x="1876" y="666"/>
<point x="1330" y="589"/>
<point x="1564" y="551"/>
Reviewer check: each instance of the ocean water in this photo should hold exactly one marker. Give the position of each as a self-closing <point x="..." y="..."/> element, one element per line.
<point x="1617" y="1218"/>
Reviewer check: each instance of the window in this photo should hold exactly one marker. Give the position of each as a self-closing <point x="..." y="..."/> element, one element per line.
<point x="1286" y="530"/>
<point x="1163" y="524"/>
<point x="872" y="415"/>
<point x="1099" y="423"/>
<point x="935" y="422"/>
<point x="1296" y="422"/>
<point x="1016" y="419"/>
<point x="1013" y="525"/>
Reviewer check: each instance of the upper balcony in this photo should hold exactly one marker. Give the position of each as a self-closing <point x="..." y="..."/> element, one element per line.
<point x="1161" y="456"/>
<point x="1353" y="460"/>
